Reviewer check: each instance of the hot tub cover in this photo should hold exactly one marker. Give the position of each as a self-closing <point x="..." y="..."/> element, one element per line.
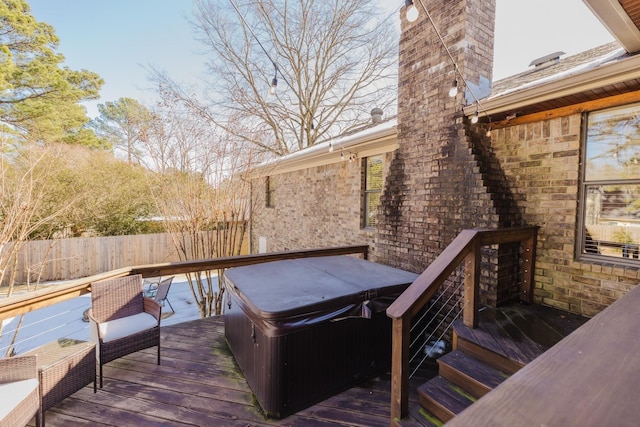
<point x="284" y="296"/>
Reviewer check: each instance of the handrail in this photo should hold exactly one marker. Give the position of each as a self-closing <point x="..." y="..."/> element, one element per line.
<point x="52" y="294"/>
<point x="464" y="248"/>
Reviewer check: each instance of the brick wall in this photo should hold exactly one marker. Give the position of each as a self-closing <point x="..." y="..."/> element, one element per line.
<point x="316" y="207"/>
<point x="443" y="177"/>
<point x="542" y="163"/>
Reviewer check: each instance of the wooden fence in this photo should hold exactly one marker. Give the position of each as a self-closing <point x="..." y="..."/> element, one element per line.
<point x="66" y="259"/>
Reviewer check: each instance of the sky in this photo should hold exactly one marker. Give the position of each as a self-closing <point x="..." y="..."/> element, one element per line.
<point x="121" y="39"/>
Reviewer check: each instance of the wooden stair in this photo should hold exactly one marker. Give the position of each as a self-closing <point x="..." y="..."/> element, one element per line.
<point x="482" y="358"/>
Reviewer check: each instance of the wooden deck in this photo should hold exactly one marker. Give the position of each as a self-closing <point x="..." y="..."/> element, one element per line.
<point x="199" y="384"/>
<point x="590" y="378"/>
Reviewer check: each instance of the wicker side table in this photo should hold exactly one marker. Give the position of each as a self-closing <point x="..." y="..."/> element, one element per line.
<point x="64" y="367"/>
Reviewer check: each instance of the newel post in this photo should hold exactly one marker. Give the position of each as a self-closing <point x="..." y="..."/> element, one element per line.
<point x="471" y="285"/>
<point x="400" y="368"/>
<point x="528" y="266"/>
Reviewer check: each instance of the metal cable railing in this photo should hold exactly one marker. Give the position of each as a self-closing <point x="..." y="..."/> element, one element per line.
<point x="500" y="261"/>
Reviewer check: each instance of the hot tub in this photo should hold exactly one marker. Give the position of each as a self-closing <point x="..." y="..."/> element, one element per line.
<point x="302" y="330"/>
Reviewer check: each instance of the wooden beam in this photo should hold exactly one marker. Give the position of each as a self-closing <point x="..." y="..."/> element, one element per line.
<point x="528" y="266"/>
<point x="471" y="286"/>
<point x="612" y="101"/>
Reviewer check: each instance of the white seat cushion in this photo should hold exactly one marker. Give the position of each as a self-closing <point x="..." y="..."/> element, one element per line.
<point x="11" y="394"/>
<point x="125" y="326"/>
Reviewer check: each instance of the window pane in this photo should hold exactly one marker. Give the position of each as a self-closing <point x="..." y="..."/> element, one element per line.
<point x="372" y="189"/>
<point x="374" y="173"/>
<point x="613" y="144"/>
<point x="372" y="202"/>
<point x="612" y="220"/>
<point x="269" y="193"/>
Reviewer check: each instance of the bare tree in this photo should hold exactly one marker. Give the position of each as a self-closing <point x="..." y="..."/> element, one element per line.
<point x="333" y="62"/>
<point x="204" y="199"/>
<point x="25" y="179"/>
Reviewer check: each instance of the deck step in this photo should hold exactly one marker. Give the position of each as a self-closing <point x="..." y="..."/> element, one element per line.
<point x="443" y="398"/>
<point x="473" y="375"/>
<point x="418" y="417"/>
<point x="480" y="351"/>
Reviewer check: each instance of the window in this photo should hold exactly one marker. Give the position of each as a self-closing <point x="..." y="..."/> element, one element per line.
<point x="269" y="193"/>
<point x="372" y="189"/>
<point x="610" y="192"/>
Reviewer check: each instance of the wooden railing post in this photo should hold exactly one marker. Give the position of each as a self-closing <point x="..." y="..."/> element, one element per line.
<point x="471" y="285"/>
<point x="400" y="368"/>
<point x="528" y="267"/>
<point x="466" y="247"/>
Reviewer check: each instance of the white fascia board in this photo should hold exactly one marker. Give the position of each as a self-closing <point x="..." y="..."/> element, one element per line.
<point x="614" y="18"/>
<point x="563" y="84"/>
<point x="372" y="141"/>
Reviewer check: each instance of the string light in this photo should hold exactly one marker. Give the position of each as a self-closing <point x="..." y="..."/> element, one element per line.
<point x="274" y="82"/>
<point x="412" y="12"/>
<point x="454" y="89"/>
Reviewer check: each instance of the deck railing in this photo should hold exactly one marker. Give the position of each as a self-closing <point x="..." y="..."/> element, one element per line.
<point x="49" y="295"/>
<point x="465" y="248"/>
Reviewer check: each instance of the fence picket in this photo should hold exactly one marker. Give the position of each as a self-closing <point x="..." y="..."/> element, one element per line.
<point x="85" y="256"/>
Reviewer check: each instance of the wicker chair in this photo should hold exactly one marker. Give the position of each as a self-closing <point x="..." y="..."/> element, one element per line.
<point x="19" y="391"/>
<point x="122" y="321"/>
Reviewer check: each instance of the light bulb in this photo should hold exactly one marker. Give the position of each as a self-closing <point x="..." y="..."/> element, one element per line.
<point x="331" y="147"/>
<point x="274" y="84"/>
<point x="411" y="12"/>
<point x="454" y="89"/>
<point x="474" y="119"/>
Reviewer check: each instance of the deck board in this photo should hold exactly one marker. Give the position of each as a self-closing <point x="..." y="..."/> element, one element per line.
<point x="199" y="383"/>
<point x="520" y="332"/>
<point x="590" y="378"/>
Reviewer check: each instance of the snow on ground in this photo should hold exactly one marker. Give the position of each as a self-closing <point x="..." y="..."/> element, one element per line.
<point x="64" y="320"/>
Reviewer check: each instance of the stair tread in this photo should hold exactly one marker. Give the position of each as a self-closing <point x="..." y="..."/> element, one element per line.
<point x="446" y="394"/>
<point x="521" y="349"/>
<point x="474" y="368"/>
<point x="422" y="418"/>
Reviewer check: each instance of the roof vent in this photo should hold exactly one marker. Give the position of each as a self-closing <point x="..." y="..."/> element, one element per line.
<point x="547" y="60"/>
<point x="376" y="115"/>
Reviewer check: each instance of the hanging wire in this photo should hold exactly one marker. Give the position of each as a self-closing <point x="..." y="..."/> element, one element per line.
<point x="248" y="27"/>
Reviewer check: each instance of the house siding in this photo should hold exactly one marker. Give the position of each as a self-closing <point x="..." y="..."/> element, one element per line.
<point x="316" y="207"/>
<point x="541" y="161"/>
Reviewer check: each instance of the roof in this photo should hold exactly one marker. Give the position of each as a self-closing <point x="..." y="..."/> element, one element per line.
<point x="597" y="73"/>
<point x="605" y="71"/>
<point x="621" y="18"/>
<point x="369" y="140"/>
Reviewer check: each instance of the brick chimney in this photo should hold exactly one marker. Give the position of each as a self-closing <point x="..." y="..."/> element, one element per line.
<point x="443" y="178"/>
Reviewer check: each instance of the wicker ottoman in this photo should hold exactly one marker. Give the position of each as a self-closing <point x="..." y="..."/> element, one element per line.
<point x="64" y="367"/>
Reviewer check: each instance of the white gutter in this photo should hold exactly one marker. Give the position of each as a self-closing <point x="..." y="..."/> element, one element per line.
<point x="374" y="140"/>
<point x="616" y="72"/>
